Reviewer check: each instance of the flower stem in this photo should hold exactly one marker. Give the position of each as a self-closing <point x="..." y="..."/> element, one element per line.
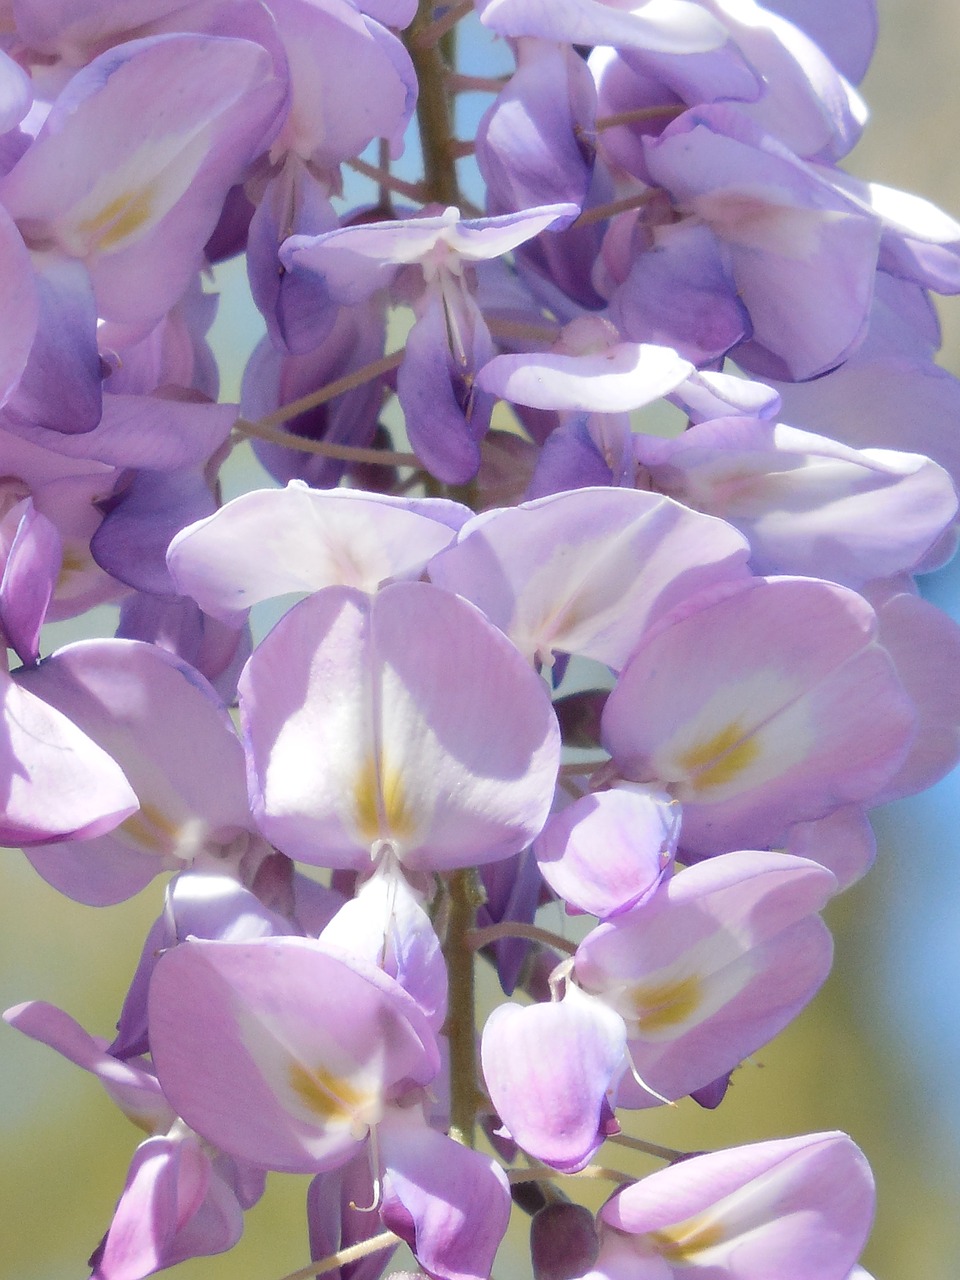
<point x="594" y="1172"/>
<point x="387" y="181"/>
<point x="649" y="1148"/>
<point x="611" y="210"/>
<point x="433" y="104"/>
<point x="430" y="33"/>
<point x="325" y="448"/>
<point x="466" y="896"/>
<point x="338" y="387"/>
<point x="639" y="115"/>
<point x="351" y="1254"/>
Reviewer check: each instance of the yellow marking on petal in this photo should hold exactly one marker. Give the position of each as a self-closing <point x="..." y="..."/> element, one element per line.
<point x="684" y="1241"/>
<point x="666" y="1004"/>
<point x="333" y="1098"/>
<point x="121" y="218"/>
<point x="365" y="797"/>
<point x="395" y="807"/>
<point x="151" y="830"/>
<point x="75" y="560"/>
<point x="380" y="799"/>
<point x="718" y="760"/>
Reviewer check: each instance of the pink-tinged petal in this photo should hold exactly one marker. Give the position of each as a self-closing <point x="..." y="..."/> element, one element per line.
<point x="661" y="26"/>
<point x="807" y="503"/>
<point x="138" y="208"/>
<point x="803" y="255"/>
<point x="335" y="1221"/>
<point x="362" y="732"/>
<point x="587" y="571"/>
<point x="386" y="925"/>
<point x="330" y="49"/>
<point x="626" y="376"/>
<point x="55" y="782"/>
<point x="175" y="741"/>
<point x="51" y="1026"/>
<point x="551" y="1070"/>
<point x="166" y="1182"/>
<point x="29" y="576"/>
<point x="607" y="852"/>
<point x="175" y="1206"/>
<point x="146" y="1216"/>
<point x="199" y="904"/>
<point x="799" y="1207"/>
<point x="843" y="842"/>
<point x="450" y="1204"/>
<point x="306" y="710"/>
<point x="925" y="646"/>
<point x="711" y="967"/>
<point x="280" y="1053"/>
<point x="135" y="1091"/>
<point x="767" y="704"/>
<point x="273" y="541"/>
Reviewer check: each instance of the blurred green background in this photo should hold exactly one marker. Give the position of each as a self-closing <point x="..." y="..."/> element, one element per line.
<point x="878" y="1053"/>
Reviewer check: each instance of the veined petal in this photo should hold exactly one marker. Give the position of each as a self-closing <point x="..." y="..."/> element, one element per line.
<point x="404" y="719"/>
<point x="550" y="1069"/>
<point x="449" y="1203"/>
<point x="771" y="704"/>
<point x="800" y="1207"/>
<point x="55" y="782"/>
<point x="272" y="541"/>
<point x="586" y="571"/>
<point x="627" y="376"/>
<point x="278" y="1052"/>
<point x="711" y="967"/>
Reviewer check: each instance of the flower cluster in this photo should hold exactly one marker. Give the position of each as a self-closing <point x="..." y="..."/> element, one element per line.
<point x="536" y="655"/>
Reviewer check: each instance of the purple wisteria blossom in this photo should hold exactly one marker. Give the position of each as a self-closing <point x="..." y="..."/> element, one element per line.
<point x="599" y="626"/>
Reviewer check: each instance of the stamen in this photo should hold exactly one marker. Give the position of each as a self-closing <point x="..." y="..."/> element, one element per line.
<point x="560" y="975"/>
<point x="643" y="1084"/>
<point x="373" y="1159"/>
